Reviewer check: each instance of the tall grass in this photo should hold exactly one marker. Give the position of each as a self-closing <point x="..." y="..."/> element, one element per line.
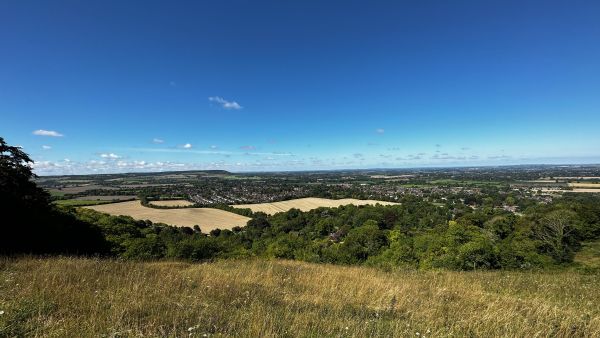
<point x="72" y="297"/>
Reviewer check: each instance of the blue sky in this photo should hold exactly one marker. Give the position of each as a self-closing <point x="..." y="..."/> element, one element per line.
<point x="119" y="86"/>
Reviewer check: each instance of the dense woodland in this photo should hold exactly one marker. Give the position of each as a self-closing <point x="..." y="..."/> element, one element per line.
<point x="415" y="234"/>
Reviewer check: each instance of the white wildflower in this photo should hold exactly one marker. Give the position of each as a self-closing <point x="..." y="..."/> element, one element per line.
<point x="1" y="312"/>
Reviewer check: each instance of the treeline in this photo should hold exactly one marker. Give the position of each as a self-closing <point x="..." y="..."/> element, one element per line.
<point x="414" y="234"/>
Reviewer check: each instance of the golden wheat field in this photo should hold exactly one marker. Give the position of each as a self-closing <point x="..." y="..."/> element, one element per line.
<point x="306" y="204"/>
<point x="585" y="185"/>
<point x="172" y="203"/>
<point x="207" y="218"/>
<point x="74" y="297"/>
<point x="586" y="190"/>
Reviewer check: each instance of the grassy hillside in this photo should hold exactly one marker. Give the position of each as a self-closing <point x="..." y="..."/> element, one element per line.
<point x="88" y="297"/>
<point x="589" y="255"/>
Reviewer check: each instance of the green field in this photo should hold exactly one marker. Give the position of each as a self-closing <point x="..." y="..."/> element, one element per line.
<point x="79" y="203"/>
<point x="56" y="193"/>
<point x="453" y="182"/>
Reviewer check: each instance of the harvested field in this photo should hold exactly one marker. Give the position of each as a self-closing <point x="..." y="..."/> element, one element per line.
<point x="306" y="204"/>
<point x="586" y="190"/>
<point x="585" y="185"/>
<point x="172" y="203"/>
<point x="207" y="218"/>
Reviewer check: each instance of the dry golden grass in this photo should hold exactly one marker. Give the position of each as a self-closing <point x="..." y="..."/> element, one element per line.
<point x="306" y="204"/>
<point x="585" y="190"/>
<point x="207" y="218"/>
<point x="66" y="297"/>
<point x="585" y="185"/>
<point x="172" y="203"/>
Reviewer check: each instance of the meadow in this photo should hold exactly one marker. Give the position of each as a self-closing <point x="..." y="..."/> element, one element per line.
<point x="79" y="203"/>
<point x="207" y="218"/>
<point x="78" y="297"/>
<point x="306" y="204"/>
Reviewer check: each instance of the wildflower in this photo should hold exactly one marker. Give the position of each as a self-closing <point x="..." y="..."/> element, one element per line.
<point x="346" y="328"/>
<point x="418" y="334"/>
<point x="1" y="313"/>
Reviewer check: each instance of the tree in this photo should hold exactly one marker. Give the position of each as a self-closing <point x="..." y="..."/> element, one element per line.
<point x="364" y="241"/>
<point x="557" y="231"/>
<point x="17" y="190"/>
<point x="31" y="224"/>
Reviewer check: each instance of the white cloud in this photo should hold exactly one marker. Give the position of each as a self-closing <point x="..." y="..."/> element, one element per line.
<point x="187" y="146"/>
<point x="158" y="140"/>
<point x="112" y="156"/>
<point x="224" y="103"/>
<point x="42" y="132"/>
<point x="213" y="147"/>
<point x="380" y="130"/>
<point x="45" y="147"/>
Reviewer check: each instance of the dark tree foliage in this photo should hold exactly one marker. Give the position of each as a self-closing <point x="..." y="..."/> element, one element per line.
<point x="30" y="224"/>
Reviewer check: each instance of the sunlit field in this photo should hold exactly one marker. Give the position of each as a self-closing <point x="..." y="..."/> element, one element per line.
<point x="306" y="204"/>
<point x="207" y="218"/>
<point x="71" y="297"/>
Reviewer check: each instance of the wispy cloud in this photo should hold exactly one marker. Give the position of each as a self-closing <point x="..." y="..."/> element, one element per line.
<point x="45" y="147"/>
<point x="42" y="132"/>
<point x="181" y="149"/>
<point x="498" y="157"/>
<point x="224" y="103"/>
<point x="380" y="130"/>
<point x="187" y="146"/>
<point x="158" y="140"/>
<point x="111" y="156"/>
<point x="214" y="147"/>
<point x="248" y="147"/>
